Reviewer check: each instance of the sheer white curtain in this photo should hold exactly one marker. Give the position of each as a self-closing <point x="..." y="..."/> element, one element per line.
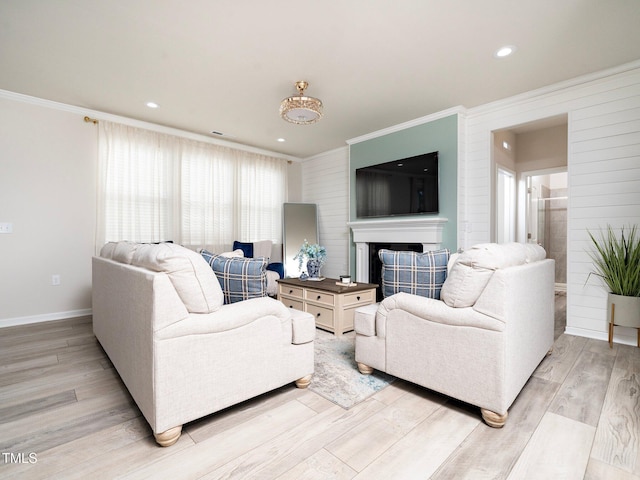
<point x="154" y="187"/>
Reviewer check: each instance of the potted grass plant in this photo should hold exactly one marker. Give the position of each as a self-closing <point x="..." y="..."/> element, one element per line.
<point x="616" y="260"/>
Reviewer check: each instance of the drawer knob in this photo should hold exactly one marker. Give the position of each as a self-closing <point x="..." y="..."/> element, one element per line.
<point x="358" y="298"/>
<point x="318" y="314"/>
<point x="319" y="297"/>
<point x="290" y="291"/>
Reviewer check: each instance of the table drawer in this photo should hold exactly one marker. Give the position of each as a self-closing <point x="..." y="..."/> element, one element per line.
<point x="291" y="303"/>
<point x="320" y="297"/>
<point x="359" y="298"/>
<point x="323" y="316"/>
<point x="290" y="291"/>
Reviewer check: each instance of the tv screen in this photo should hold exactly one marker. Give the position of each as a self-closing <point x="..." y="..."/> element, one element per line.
<point x="401" y="187"/>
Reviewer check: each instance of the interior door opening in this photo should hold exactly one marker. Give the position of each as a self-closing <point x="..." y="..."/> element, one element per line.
<point x="546" y="217"/>
<point x="505" y="205"/>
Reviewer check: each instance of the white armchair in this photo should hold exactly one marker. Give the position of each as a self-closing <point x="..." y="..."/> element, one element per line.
<point x="481" y="342"/>
<point x="158" y="313"/>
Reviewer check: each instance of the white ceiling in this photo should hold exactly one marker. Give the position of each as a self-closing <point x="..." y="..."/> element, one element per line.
<point x="225" y="65"/>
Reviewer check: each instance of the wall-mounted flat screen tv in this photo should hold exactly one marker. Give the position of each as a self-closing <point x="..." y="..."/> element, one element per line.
<point x="402" y="187"/>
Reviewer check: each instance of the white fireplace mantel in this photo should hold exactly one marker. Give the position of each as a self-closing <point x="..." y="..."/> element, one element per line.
<point x="426" y="231"/>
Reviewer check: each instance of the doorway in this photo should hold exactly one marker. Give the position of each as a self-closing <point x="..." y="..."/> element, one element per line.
<point x="505" y="205"/>
<point x="530" y="187"/>
<point x="546" y="216"/>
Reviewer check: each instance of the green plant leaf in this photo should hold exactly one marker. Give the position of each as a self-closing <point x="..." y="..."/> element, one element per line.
<point x="616" y="260"/>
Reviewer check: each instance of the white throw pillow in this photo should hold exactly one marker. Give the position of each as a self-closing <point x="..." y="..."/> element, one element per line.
<point x="237" y="253"/>
<point x="473" y="269"/>
<point x="464" y="284"/>
<point x="119" y="251"/>
<point x="189" y="273"/>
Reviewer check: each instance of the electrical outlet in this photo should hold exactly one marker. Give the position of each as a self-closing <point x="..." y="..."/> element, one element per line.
<point x="6" y="227"/>
<point x="55" y="279"/>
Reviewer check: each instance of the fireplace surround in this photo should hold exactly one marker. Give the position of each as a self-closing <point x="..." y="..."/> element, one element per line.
<point x="426" y="231"/>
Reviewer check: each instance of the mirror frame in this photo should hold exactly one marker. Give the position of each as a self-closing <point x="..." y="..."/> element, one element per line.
<point x="299" y="223"/>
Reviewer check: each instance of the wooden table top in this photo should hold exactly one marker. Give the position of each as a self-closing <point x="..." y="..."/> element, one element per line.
<point x="327" y="285"/>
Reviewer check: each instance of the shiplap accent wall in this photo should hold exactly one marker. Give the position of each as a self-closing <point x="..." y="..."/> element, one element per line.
<point x="326" y="183"/>
<point x="604" y="174"/>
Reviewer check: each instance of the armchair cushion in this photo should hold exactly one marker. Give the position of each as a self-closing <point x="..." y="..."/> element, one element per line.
<point x="411" y="272"/>
<point x="240" y="278"/>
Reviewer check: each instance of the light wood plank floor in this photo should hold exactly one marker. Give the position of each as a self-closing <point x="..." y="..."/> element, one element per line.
<point x="64" y="413"/>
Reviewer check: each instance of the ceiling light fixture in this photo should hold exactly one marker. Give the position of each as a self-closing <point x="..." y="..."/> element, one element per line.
<point x="299" y="109"/>
<point x="152" y="105"/>
<point x="504" y="51"/>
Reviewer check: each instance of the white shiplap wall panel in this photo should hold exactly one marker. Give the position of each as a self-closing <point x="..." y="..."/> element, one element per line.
<point x="326" y="183"/>
<point x="622" y="116"/>
<point x="604" y="173"/>
<point x="607" y="129"/>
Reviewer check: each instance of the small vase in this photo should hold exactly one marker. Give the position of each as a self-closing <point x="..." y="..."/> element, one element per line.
<point x="313" y="269"/>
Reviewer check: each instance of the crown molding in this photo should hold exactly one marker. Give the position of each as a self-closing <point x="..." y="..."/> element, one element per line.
<point x="98" y="115"/>
<point x="336" y="151"/>
<point x="411" y="123"/>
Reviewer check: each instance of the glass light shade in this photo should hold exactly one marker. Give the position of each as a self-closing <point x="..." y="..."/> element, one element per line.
<point x="301" y="110"/>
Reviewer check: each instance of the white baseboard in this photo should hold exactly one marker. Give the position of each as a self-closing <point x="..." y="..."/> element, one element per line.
<point x="617" y="338"/>
<point x="46" y="317"/>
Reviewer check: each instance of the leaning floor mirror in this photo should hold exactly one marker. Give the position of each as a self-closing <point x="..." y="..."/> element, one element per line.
<point x="300" y="223"/>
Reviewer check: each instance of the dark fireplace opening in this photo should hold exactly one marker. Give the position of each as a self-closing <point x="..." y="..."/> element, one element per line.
<point x="375" y="265"/>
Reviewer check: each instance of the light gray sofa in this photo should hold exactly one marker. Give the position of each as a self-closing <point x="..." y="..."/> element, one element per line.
<point x="481" y="341"/>
<point x="158" y="313"/>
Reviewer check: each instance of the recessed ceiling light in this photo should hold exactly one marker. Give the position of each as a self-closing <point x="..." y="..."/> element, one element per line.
<point x="504" y="51"/>
<point x="152" y="105"/>
<point x="281" y="140"/>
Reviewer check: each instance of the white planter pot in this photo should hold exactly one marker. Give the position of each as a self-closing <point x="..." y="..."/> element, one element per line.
<point x="626" y="312"/>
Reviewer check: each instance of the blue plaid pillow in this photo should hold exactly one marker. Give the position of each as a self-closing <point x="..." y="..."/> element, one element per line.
<point x="411" y="272"/>
<point x="240" y="278"/>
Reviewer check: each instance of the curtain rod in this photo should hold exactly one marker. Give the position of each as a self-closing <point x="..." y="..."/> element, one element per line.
<point x="92" y="120"/>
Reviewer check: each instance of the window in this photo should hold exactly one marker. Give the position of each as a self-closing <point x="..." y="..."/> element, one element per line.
<point x="154" y="187"/>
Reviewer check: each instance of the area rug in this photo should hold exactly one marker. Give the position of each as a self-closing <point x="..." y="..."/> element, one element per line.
<point x="336" y="375"/>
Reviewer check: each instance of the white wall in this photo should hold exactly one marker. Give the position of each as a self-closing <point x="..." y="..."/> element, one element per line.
<point x="603" y="165"/>
<point x="326" y="183"/>
<point x="294" y="182"/>
<point x="47" y="191"/>
<point x="48" y="158"/>
<point x="542" y="149"/>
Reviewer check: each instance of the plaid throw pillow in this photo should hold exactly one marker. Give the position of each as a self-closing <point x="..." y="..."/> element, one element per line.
<point x="240" y="278"/>
<point x="417" y="273"/>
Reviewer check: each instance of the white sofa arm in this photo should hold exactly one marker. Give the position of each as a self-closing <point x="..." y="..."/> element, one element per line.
<point x="303" y="327"/>
<point x="432" y="310"/>
<point x="364" y="320"/>
<point x="227" y="317"/>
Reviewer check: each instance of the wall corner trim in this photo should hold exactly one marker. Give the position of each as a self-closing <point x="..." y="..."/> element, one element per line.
<point x="46" y="317"/>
